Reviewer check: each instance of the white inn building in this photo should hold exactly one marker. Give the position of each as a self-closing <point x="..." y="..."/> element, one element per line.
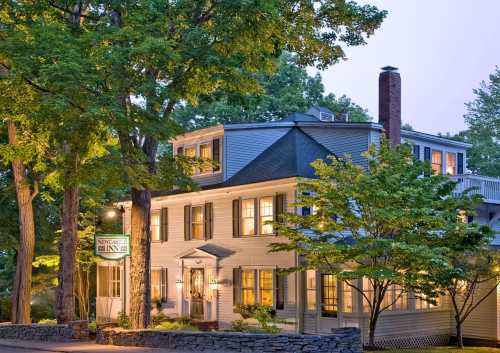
<point x="210" y="248"/>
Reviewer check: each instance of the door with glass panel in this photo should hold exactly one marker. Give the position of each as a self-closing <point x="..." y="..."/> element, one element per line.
<point x="197" y="290"/>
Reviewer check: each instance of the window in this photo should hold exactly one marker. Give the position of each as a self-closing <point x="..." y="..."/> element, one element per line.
<point x="155" y="226"/>
<point x="395" y="297"/>
<point x="103" y="273"/>
<point x="348" y="302"/>
<point x="437" y="163"/>
<point x="115" y="281"/>
<point x="155" y="285"/>
<point x="248" y="287"/>
<point x="248" y="217"/>
<point x="197" y="222"/>
<point x="206" y="155"/>
<point x="266" y="287"/>
<point x="422" y="304"/>
<point x="451" y="163"/>
<point x="191" y="152"/>
<point x="328" y="295"/>
<point x="266" y="215"/>
<point x="368" y="291"/>
<point x="311" y="290"/>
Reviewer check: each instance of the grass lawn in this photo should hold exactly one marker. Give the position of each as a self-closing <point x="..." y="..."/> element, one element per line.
<point x="442" y="350"/>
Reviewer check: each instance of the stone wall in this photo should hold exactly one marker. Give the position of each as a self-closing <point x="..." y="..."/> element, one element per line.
<point x="347" y="340"/>
<point x="71" y="331"/>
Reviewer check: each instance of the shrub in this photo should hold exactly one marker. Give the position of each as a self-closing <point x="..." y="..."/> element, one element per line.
<point x="184" y="320"/>
<point x="47" y="322"/>
<point x="176" y="326"/>
<point x="123" y="320"/>
<point x="41" y="312"/>
<point x="264" y="315"/>
<point x="93" y="325"/>
<point x="5" y="308"/>
<point x="240" y="326"/>
<point x="158" y="318"/>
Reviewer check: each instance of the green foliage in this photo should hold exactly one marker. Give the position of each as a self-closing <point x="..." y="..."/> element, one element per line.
<point x="5" y="308"/>
<point x="288" y="89"/>
<point x="47" y="322"/>
<point x="264" y="315"/>
<point x="483" y="120"/>
<point x="158" y="318"/>
<point x="41" y="311"/>
<point x="384" y="225"/>
<point x="176" y="326"/>
<point x="123" y="320"/>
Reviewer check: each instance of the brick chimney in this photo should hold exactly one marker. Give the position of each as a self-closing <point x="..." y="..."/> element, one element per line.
<point x="389" y="103"/>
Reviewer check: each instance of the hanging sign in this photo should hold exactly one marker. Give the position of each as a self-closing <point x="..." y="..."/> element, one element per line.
<point x="112" y="246"/>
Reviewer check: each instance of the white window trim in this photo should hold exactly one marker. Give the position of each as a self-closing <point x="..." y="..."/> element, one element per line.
<point x="156" y="211"/>
<point x="202" y="206"/>
<point x="257" y="217"/>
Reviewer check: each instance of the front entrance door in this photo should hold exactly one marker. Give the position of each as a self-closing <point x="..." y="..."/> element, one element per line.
<point x="197" y="286"/>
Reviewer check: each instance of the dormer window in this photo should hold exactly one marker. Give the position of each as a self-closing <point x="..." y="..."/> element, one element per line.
<point x="208" y="151"/>
<point x="325" y="116"/>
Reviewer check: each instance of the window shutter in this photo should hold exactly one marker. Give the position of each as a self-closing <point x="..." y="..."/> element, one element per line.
<point x="216" y="154"/>
<point x="164" y="224"/>
<point x="460" y="163"/>
<point x="427" y="153"/>
<point x="187" y="222"/>
<point x="416" y="151"/>
<point x="279" y="208"/>
<point x="208" y="221"/>
<point x="280" y="291"/>
<point x="427" y="157"/>
<point x="180" y="151"/>
<point x="236" y="218"/>
<point x="164" y="284"/>
<point x="236" y="287"/>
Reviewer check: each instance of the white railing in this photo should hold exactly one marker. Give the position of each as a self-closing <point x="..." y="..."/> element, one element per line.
<point x="486" y="186"/>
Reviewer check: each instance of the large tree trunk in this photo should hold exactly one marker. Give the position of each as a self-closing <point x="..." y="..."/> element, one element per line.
<point x="371" y="332"/>
<point x="21" y="293"/>
<point x="67" y="252"/>
<point x="140" y="289"/>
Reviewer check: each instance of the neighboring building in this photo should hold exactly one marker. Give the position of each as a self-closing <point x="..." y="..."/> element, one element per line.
<point x="210" y="248"/>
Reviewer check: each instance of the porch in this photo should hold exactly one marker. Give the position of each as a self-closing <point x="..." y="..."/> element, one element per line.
<point x="486" y="186"/>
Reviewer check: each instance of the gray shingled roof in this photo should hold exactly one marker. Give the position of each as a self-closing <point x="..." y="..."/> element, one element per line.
<point x="290" y="156"/>
<point x="300" y="117"/>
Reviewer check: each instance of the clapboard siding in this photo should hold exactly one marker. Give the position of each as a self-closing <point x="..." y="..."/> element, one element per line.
<point x="483" y="321"/>
<point x="252" y="252"/>
<point x="342" y="141"/>
<point x="243" y="146"/>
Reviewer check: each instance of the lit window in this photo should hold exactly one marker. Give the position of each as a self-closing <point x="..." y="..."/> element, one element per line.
<point x="104" y="276"/>
<point x="115" y="281"/>
<point x="197" y="222"/>
<point x="395" y="298"/>
<point x="206" y="155"/>
<point x="437" y="162"/>
<point x="311" y="290"/>
<point x="248" y="217"/>
<point x="155" y="226"/>
<point x="368" y="292"/>
<point x="191" y="152"/>
<point x="266" y="287"/>
<point x="155" y="285"/>
<point x="328" y="295"/>
<point x="347" y="297"/>
<point x="266" y="215"/>
<point x="451" y="163"/>
<point x="248" y="287"/>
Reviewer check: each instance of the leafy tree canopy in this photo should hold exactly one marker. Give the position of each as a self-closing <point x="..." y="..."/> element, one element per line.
<point x="289" y="89"/>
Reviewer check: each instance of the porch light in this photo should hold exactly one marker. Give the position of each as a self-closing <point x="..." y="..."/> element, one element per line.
<point x="213" y="284"/>
<point x="179" y="283"/>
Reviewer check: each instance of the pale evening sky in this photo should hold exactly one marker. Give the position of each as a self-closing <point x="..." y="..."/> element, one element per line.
<point x="443" y="49"/>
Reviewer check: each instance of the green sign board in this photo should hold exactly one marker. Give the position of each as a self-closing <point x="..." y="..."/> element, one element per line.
<point x="112" y="246"/>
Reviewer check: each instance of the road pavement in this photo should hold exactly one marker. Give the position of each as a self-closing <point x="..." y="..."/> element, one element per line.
<point x="22" y="346"/>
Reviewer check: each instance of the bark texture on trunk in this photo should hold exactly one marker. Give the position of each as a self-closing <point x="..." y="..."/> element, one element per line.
<point x="67" y="250"/>
<point x="460" y="339"/>
<point x="21" y="293"/>
<point x="140" y="289"/>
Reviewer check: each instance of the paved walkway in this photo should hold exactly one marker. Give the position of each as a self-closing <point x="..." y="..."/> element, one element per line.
<point x="21" y="346"/>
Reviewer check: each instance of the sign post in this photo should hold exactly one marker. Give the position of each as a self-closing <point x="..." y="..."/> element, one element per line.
<point x="112" y="246"/>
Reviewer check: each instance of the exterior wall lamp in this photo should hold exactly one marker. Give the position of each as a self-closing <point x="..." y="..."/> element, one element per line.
<point x="179" y="283"/>
<point x="213" y="284"/>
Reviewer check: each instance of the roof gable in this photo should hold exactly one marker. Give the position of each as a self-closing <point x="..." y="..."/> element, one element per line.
<point x="290" y="156"/>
